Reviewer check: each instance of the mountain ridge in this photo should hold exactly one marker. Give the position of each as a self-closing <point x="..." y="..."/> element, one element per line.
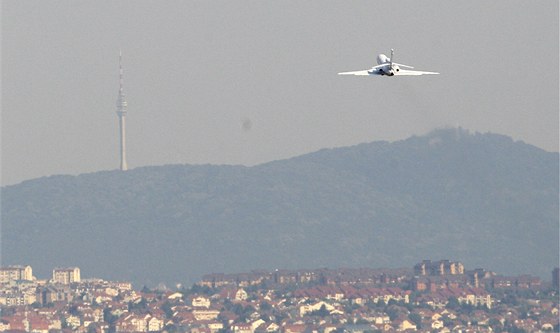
<point x="450" y="193"/>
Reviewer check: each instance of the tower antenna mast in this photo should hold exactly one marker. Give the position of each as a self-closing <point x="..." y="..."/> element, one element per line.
<point x="121" y="113"/>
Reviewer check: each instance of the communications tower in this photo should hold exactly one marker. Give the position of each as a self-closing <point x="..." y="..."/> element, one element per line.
<point x="121" y="112"/>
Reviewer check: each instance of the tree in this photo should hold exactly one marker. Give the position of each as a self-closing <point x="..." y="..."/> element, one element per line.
<point x="142" y="305"/>
<point x="92" y="328"/>
<point x="447" y="322"/>
<point x="453" y="303"/>
<point x="73" y="310"/>
<point x="166" y="307"/>
<point x="495" y="324"/>
<point x="392" y="312"/>
<point x="198" y="289"/>
<point x="467" y="307"/>
<point x="170" y="328"/>
<point x="322" y="312"/>
<point x="416" y="318"/>
<point x="109" y="317"/>
<point x="264" y="306"/>
<point x="237" y="309"/>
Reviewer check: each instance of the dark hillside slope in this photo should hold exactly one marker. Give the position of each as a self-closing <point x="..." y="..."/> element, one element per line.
<point x="478" y="198"/>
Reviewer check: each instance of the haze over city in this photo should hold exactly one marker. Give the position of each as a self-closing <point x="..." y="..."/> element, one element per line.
<point x="224" y="82"/>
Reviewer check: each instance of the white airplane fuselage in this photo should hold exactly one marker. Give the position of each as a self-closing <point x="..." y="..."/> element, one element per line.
<point x="387" y="69"/>
<point x="382" y="59"/>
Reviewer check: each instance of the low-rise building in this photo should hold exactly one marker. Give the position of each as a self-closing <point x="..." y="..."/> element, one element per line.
<point x="200" y="302"/>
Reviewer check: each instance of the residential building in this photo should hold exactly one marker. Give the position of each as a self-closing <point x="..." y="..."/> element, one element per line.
<point x="200" y="302"/>
<point x="66" y="275"/>
<point x="240" y="295"/>
<point x="441" y="267"/>
<point x="15" y="273"/>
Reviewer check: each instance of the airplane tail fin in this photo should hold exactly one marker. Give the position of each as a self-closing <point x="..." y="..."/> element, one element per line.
<point x="391" y="60"/>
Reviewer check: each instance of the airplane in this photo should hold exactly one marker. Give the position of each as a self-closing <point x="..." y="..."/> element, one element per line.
<point x="386" y="66"/>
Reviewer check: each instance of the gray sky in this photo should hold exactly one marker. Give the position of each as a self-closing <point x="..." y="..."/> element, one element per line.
<point x="246" y="82"/>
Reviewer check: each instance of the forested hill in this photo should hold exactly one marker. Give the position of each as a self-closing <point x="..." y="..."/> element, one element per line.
<point x="481" y="199"/>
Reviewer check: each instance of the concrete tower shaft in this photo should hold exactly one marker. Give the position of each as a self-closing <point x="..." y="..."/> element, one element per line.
<point x="121" y="113"/>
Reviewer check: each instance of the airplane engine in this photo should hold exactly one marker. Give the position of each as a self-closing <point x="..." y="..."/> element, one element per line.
<point x="381" y="59"/>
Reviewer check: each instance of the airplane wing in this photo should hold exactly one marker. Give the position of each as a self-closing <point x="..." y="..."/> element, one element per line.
<point x="407" y="72"/>
<point x="364" y="72"/>
<point x="371" y="71"/>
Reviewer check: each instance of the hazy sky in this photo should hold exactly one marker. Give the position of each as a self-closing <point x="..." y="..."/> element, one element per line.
<point x="245" y="82"/>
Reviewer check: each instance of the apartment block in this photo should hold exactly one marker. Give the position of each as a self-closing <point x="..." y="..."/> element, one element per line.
<point x="66" y="275"/>
<point x="15" y="273"/>
<point x="441" y="267"/>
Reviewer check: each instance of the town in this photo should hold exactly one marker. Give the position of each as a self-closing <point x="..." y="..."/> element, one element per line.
<point x="433" y="296"/>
